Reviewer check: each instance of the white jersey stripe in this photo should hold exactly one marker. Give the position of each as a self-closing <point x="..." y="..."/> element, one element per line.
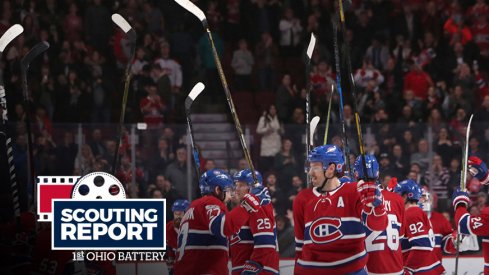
<point x="271" y="269"/>
<point x="264" y="234"/>
<point x="264" y="246"/>
<point x="419" y="237"/>
<point x="196" y="231"/>
<point x="335" y="263"/>
<point x="395" y="273"/>
<point x="423" y="268"/>
<point x="205" y="247"/>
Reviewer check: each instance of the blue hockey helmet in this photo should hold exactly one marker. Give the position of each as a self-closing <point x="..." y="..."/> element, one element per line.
<point x="327" y="154"/>
<point x="410" y="188"/>
<point x="212" y="178"/>
<point x="372" y="167"/>
<point x="246" y="176"/>
<point x="180" y="205"/>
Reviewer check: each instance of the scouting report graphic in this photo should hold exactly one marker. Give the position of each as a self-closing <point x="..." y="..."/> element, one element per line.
<point x="92" y="213"/>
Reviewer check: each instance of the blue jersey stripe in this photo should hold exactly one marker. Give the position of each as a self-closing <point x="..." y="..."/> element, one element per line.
<point x="245" y="234"/>
<point x="216" y="224"/>
<point x="197" y="239"/>
<point x="265" y="239"/>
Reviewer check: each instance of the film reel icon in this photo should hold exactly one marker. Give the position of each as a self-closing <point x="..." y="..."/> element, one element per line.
<point x="98" y="185"/>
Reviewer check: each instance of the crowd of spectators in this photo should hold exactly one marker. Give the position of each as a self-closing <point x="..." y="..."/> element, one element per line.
<point x="420" y="68"/>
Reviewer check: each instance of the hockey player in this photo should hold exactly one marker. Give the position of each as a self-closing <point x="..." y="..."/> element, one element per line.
<point x="206" y="225"/>
<point x="383" y="247"/>
<point x="445" y="236"/>
<point x="178" y="208"/>
<point x="419" y="240"/>
<point x="254" y="248"/>
<point x="334" y="235"/>
<point x="473" y="224"/>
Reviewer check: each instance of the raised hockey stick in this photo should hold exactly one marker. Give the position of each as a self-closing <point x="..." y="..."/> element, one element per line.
<point x="312" y="129"/>
<point x="353" y="90"/>
<point x="346" y="152"/>
<point x="194" y="93"/>
<point x="463" y="179"/>
<point x="131" y="34"/>
<point x="310" y="50"/>
<point x="328" y="116"/>
<point x="309" y="134"/>
<point x="36" y="51"/>
<point x="6" y="38"/>
<point x="192" y="8"/>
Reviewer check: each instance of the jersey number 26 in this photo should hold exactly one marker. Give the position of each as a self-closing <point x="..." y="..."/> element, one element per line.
<point x="375" y="242"/>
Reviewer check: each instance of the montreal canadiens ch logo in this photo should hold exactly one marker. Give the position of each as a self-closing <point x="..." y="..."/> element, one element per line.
<point x="325" y="230"/>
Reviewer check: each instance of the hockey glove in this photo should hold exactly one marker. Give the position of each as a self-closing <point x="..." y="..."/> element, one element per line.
<point x="251" y="268"/>
<point x="369" y="193"/>
<point x="250" y="203"/>
<point x="371" y="197"/>
<point x="460" y="198"/>
<point x="262" y="194"/>
<point x="478" y="169"/>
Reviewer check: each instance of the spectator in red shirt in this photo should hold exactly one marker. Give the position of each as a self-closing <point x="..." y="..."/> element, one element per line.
<point x="418" y="81"/>
<point x="457" y="30"/>
<point x="322" y="79"/>
<point x="152" y="107"/>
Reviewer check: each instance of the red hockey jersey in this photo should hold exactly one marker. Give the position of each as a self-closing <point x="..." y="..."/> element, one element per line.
<point x="256" y="241"/>
<point x="334" y="234"/>
<point x="384" y="247"/>
<point x="418" y="243"/>
<point x="171" y="239"/>
<point x="443" y="235"/>
<point x="475" y="225"/>
<point x="202" y="240"/>
<point x="298" y="207"/>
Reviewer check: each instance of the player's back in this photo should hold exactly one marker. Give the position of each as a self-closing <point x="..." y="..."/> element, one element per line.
<point x="384" y="247"/>
<point x="418" y="243"/>
<point x="199" y="251"/>
<point x="442" y="229"/>
<point x="257" y="240"/>
<point x="334" y="234"/>
<point x="265" y="239"/>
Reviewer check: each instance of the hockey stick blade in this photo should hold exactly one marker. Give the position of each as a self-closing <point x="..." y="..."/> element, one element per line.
<point x="121" y="22"/>
<point x="312" y="127"/>
<point x="193" y="9"/>
<point x="125" y="26"/>
<point x="194" y="93"/>
<point x="10" y="35"/>
<point x="38" y="49"/>
<point x="312" y="44"/>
